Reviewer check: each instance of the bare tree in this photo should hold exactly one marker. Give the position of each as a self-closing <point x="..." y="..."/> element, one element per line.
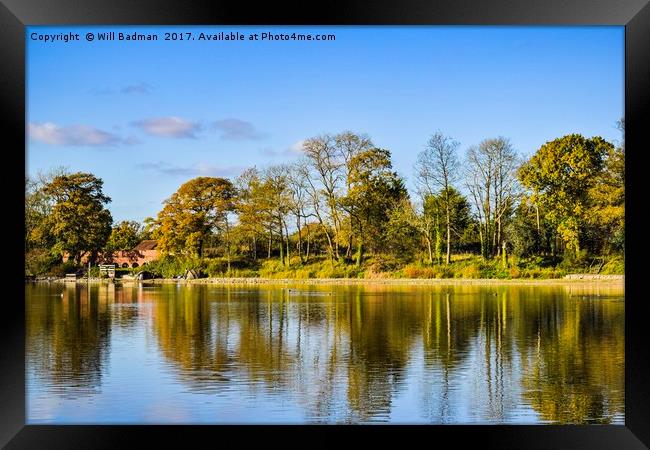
<point x="326" y="177"/>
<point x="492" y="182"/>
<point x="304" y="171"/>
<point x="276" y="188"/>
<point x="299" y="199"/>
<point x="436" y="169"/>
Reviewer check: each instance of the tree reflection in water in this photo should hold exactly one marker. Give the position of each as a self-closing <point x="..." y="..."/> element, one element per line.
<point x="437" y="354"/>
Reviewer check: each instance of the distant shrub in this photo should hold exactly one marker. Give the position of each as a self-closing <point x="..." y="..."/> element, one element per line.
<point x="61" y="270"/>
<point x="174" y="266"/>
<point x="40" y="262"/>
<point x="614" y="266"/>
<point x="383" y="263"/>
<point x="471" y="271"/>
<point x="514" y="272"/>
<point x="411" y="272"/>
<point x="216" y="267"/>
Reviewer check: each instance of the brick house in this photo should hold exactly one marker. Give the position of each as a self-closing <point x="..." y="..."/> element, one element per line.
<point x="143" y="253"/>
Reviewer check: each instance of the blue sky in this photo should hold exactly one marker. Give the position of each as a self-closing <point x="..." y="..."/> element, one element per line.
<point x="148" y="116"/>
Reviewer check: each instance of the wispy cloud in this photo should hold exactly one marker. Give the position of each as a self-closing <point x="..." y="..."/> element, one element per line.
<point x="237" y="130"/>
<point x="75" y="135"/>
<point x="193" y="170"/>
<point x="171" y="127"/>
<point x="135" y="88"/>
<point x="138" y="88"/>
<point x="294" y="150"/>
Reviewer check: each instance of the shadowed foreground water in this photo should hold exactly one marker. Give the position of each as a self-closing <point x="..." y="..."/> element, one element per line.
<point x="324" y="354"/>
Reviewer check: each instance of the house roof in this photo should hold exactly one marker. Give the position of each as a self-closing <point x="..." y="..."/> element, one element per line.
<point x="149" y="244"/>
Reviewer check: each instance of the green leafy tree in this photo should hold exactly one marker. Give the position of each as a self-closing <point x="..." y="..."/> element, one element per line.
<point x="254" y="210"/>
<point x="79" y="222"/>
<point x="375" y="189"/>
<point x="197" y="209"/>
<point x="38" y="207"/>
<point x="606" y="214"/>
<point x="402" y="232"/>
<point x="448" y="214"/>
<point x="147" y="229"/>
<point x="525" y="236"/>
<point x="560" y="175"/>
<point x="124" y="236"/>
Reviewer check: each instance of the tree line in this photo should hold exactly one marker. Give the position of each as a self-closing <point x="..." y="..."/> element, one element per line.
<point x="343" y="202"/>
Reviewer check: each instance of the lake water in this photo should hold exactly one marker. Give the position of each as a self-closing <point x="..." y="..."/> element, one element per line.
<point x="164" y="354"/>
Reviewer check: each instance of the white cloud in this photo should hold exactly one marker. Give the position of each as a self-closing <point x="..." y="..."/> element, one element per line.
<point x="296" y="148"/>
<point x="196" y="169"/>
<point x="77" y="135"/>
<point x="173" y="127"/>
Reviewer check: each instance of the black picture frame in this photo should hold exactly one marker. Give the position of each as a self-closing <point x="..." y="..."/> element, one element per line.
<point x="633" y="14"/>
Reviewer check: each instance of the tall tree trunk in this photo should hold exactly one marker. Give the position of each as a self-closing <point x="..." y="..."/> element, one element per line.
<point x="329" y="242"/>
<point x="448" y="256"/>
<point x="270" y="242"/>
<point x="337" y="230"/>
<point x="497" y="232"/>
<point x="281" y="244"/>
<point x="360" y="246"/>
<point x="228" y="244"/>
<point x="299" y="238"/>
<point x="359" y="253"/>
<point x="437" y="242"/>
<point x="539" y="235"/>
<point x="286" y="233"/>
<point x="428" y="239"/>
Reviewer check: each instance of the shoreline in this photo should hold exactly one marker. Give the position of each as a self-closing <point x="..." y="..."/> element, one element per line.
<point x="573" y="280"/>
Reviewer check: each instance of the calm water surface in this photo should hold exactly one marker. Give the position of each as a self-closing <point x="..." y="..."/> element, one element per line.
<point x="324" y="354"/>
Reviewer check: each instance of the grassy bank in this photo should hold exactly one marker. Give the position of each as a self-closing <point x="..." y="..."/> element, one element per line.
<point x="382" y="267"/>
<point x="462" y="267"/>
